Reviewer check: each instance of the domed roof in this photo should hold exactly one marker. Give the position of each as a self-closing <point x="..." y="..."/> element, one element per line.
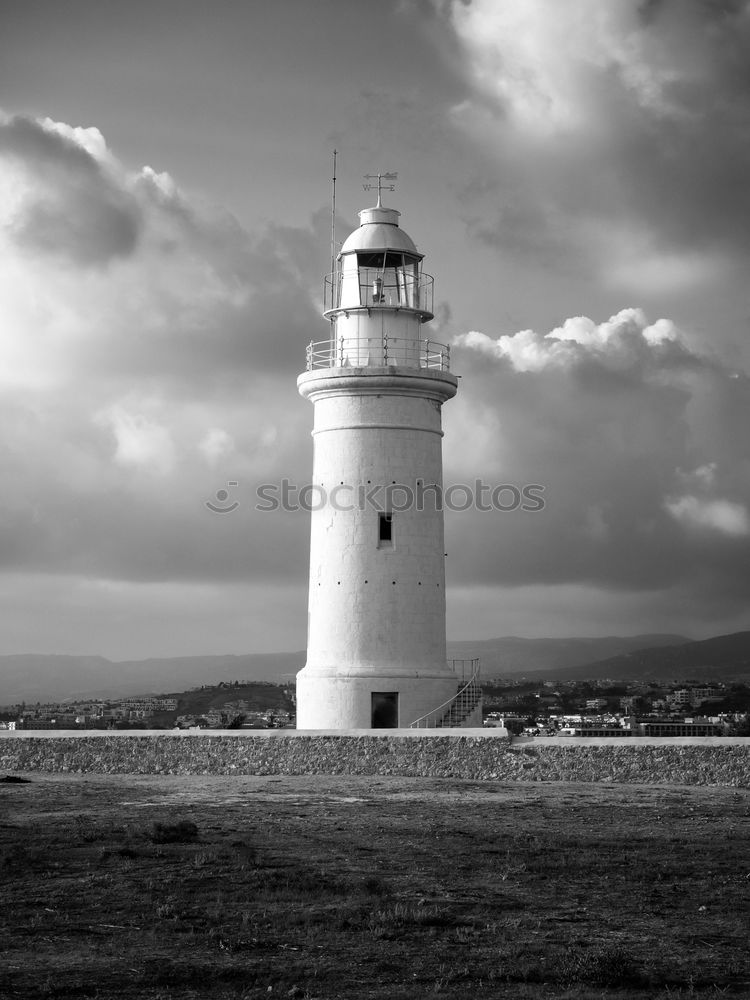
<point x="379" y="230"/>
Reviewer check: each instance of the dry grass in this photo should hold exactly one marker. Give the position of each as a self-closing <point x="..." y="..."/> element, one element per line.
<point x="316" y="887"/>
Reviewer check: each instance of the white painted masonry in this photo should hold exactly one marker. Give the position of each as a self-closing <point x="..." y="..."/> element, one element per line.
<point x="376" y="620"/>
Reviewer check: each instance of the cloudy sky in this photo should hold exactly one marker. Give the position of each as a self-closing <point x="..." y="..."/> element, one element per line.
<point x="576" y="174"/>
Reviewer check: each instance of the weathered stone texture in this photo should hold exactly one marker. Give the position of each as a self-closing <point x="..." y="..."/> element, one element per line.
<point x="438" y="757"/>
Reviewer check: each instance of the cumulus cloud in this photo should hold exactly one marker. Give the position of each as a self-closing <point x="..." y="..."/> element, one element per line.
<point x="718" y="515"/>
<point x="698" y="507"/>
<point x="149" y="351"/>
<point x="216" y="444"/>
<point x="156" y="283"/>
<point x="140" y="441"/>
<point x="622" y="341"/>
<point x="65" y="199"/>
<point x="639" y="442"/>
<point x="540" y="60"/>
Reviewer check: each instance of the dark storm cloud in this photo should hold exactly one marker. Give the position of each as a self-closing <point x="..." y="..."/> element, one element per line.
<point x="76" y="209"/>
<point x="612" y="116"/>
<point x="161" y="533"/>
<point x="640" y="444"/>
<point x="45" y="149"/>
<point x="122" y="493"/>
<point x="202" y="300"/>
<point x="139" y="390"/>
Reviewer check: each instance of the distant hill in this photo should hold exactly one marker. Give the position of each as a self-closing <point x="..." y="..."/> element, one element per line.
<point x="31" y="677"/>
<point x="259" y="696"/>
<point x="724" y="657"/>
<point x="511" y="656"/>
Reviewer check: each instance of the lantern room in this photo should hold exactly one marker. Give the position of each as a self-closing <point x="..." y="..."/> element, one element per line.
<point x="377" y="300"/>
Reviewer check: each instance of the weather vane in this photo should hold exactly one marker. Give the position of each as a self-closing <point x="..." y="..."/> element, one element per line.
<point x="381" y="186"/>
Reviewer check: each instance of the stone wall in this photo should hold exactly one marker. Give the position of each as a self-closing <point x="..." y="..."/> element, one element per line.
<point x="477" y="758"/>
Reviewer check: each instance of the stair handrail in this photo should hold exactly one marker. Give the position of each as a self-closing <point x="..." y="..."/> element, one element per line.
<point x="421" y="722"/>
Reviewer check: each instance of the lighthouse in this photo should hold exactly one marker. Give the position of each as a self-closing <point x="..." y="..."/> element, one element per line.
<point x="376" y="648"/>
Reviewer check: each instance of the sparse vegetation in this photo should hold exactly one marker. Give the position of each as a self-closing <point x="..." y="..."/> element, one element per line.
<point x="182" y="832"/>
<point x="328" y="888"/>
<point x="600" y="966"/>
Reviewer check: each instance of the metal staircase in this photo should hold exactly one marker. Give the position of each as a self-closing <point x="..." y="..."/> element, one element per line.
<point x="457" y="711"/>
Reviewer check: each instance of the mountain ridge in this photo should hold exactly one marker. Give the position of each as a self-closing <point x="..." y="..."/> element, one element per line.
<point x="34" y="677"/>
<point x="721" y="657"/>
<point x="510" y="656"/>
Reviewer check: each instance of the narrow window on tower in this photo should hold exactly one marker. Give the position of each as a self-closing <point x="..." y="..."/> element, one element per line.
<point x="385" y="529"/>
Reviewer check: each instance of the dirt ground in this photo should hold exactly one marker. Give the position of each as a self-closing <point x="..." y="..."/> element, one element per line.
<point x="335" y="887"/>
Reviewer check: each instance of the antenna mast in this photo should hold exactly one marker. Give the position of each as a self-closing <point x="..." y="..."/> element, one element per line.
<point x="333" y="216"/>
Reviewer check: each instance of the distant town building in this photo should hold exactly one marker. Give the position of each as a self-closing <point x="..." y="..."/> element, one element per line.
<point x="596" y="703"/>
<point x="680" y="729"/>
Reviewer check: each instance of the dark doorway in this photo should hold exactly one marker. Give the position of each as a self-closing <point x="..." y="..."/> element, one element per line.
<point x="385" y="709"/>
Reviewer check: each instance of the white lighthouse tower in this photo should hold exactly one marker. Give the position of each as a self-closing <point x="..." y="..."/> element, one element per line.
<point x="376" y="653"/>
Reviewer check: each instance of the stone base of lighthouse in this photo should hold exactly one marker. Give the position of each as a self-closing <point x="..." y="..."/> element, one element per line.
<point x="376" y="651"/>
<point x="334" y="698"/>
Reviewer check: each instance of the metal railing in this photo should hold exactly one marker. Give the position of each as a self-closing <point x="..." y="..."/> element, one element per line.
<point x="455" y="711"/>
<point x="465" y="669"/>
<point x="378" y="352"/>
<point x="374" y="287"/>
